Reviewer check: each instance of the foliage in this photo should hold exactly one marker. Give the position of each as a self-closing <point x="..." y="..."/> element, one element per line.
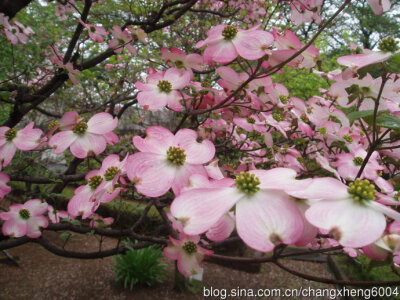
<point x="140" y="267"/>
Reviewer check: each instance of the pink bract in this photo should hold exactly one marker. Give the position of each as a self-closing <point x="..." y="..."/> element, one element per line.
<point x="25" y="219"/>
<point x="167" y="160"/>
<point x="86" y="138"/>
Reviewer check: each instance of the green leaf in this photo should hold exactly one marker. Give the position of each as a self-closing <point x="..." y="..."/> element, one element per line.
<point x="388" y="121"/>
<point x="375" y="70"/>
<point x="392" y="65"/>
<point x="65" y="235"/>
<point x="359" y="114"/>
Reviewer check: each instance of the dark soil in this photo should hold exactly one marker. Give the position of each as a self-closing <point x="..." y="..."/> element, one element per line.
<point x="45" y="276"/>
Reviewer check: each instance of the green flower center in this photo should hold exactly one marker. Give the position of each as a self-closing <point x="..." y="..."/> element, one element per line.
<point x="388" y="45"/>
<point x="251" y="120"/>
<point x="10" y="134"/>
<point x="304" y="118"/>
<point x="92" y="29"/>
<point x="80" y="128"/>
<point x="322" y="130"/>
<point x="278" y="116"/>
<point x="362" y="190"/>
<point x="358" y="161"/>
<point x="121" y="42"/>
<point x="164" y="86"/>
<point x="110" y="173"/>
<point x="179" y="64"/>
<point x="95" y="181"/>
<point x="189" y="247"/>
<point x="348" y="138"/>
<point x="24" y="214"/>
<point x="176" y="156"/>
<point x="284" y="99"/>
<point x="229" y="32"/>
<point x="53" y="124"/>
<point x="247" y="183"/>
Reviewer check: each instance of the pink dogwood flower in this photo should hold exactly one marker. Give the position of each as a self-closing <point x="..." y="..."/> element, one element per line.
<point x="96" y="33"/>
<point x="167" y="160"/>
<point x="261" y="206"/>
<point x="161" y="89"/>
<point x="226" y="42"/>
<point x="4" y="188"/>
<point x="121" y="39"/>
<point x="346" y="212"/>
<point x="86" y="137"/>
<point x="25" y="219"/>
<point x="11" y="139"/>
<point x="188" y="254"/>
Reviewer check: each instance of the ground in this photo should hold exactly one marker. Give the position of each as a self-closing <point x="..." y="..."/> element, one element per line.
<point x="45" y="276"/>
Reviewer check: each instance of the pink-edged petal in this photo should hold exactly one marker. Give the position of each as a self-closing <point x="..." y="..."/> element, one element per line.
<point x="221" y="52"/>
<point x="152" y="100"/>
<point x="222" y="229"/>
<point x="62" y="140"/>
<point x="361" y="60"/>
<point x="322" y="188"/>
<point x="68" y="120"/>
<point x="178" y="78"/>
<point x="267" y="219"/>
<point x="200" y="209"/>
<point x="7" y="152"/>
<point x="196" y="153"/>
<point x="102" y="123"/>
<point x="280" y="178"/>
<point x="110" y="161"/>
<point x="14" y="227"/>
<point x="310" y="231"/>
<point x="182" y="176"/>
<point x="153" y="173"/>
<point x="384" y="209"/>
<point x="88" y="143"/>
<point x="375" y="252"/>
<point x="36" y="207"/>
<point x="189" y="265"/>
<point x="4" y="188"/>
<point x="27" y="138"/>
<point x="348" y="221"/>
<point x="252" y="45"/>
<point x="34" y="224"/>
<point x="158" y="139"/>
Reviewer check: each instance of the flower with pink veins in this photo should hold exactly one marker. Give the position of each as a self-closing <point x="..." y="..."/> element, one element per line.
<point x="251" y="123"/>
<point x="349" y="214"/>
<point x="167" y="160"/>
<point x="188" y="254"/>
<point x="288" y="44"/>
<point x="162" y="88"/>
<point x="4" y="188"/>
<point x="386" y="46"/>
<point x="388" y="243"/>
<point x="349" y="164"/>
<point x="379" y="6"/>
<point x="226" y="42"/>
<point x="11" y="139"/>
<point x="121" y="39"/>
<point x="112" y="170"/>
<point x="86" y="137"/>
<point x="265" y="215"/>
<point x="96" y="33"/>
<point x="178" y="59"/>
<point x="25" y="219"/>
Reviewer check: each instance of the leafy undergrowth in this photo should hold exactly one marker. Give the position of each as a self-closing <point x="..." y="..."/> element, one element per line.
<point x="364" y="269"/>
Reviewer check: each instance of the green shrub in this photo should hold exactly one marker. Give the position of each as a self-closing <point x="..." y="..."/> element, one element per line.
<point x="140" y="267"/>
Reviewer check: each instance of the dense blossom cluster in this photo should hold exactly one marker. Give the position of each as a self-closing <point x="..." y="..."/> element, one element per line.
<point x="274" y="192"/>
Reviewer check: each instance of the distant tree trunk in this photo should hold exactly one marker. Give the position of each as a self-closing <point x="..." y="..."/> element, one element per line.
<point x="11" y="7"/>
